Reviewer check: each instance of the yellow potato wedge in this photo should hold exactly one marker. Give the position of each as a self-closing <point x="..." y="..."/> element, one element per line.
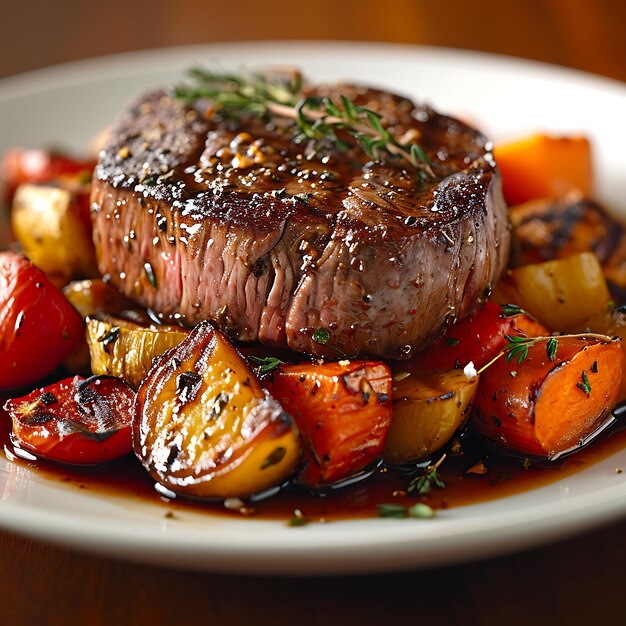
<point x="52" y="224"/>
<point x="561" y="294"/>
<point x="205" y="428"/>
<point x="428" y="408"/>
<point x="89" y="297"/>
<point x="125" y="349"/>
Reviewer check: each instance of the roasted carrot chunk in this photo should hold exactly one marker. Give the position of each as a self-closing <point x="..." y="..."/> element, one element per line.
<point x="544" y="400"/>
<point x="542" y="166"/>
<point x="342" y="410"/>
<point x="477" y="338"/>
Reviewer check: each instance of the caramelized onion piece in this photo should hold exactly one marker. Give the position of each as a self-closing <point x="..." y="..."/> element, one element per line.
<point x="205" y="428"/>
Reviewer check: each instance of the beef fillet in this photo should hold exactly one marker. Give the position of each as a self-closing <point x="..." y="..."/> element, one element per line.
<point x="198" y="217"/>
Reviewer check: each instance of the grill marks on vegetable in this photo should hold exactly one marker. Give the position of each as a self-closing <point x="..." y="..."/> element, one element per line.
<point x="188" y="385"/>
<point x="205" y="428"/>
<point x="109" y="338"/>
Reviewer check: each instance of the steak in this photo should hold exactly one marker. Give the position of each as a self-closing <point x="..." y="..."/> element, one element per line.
<point x="199" y="217"/>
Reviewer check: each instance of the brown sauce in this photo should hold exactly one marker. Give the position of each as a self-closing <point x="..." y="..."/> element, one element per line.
<point x="504" y="477"/>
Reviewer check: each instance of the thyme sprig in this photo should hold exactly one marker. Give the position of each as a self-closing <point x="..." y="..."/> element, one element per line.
<point x="517" y="346"/>
<point x="316" y="118"/>
<point x="430" y="479"/>
<point x="266" y="364"/>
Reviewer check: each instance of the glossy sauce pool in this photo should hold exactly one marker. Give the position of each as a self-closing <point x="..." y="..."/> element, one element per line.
<point x="504" y="477"/>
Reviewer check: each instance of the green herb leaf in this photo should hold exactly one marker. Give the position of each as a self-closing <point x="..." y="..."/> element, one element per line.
<point x="585" y="385"/>
<point x="298" y="521"/>
<point x="421" y="511"/>
<point x="517" y="346"/>
<point x="268" y="363"/>
<point x="321" y="335"/>
<point x="425" y="484"/>
<point x="551" y="347"/>
<point x="510" y="310"/>
<point x="396" y="511"/>
<point x="451" y="341"/>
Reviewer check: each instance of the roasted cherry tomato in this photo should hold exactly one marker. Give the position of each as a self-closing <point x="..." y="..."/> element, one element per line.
<point x="343" y="412"/>
<point x="76" y="420"/>
<point x="477" y="338"/>
<point x="35" y="165"/>
<point x="38" y="326"/>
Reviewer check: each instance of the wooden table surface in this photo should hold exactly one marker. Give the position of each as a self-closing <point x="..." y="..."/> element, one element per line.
<point x="579" y="581"/>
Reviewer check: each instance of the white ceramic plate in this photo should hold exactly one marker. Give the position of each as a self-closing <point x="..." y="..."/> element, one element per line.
<point x="67" y="105"/>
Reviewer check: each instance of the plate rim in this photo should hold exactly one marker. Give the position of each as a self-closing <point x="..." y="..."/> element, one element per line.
<point x="283" y="557"/>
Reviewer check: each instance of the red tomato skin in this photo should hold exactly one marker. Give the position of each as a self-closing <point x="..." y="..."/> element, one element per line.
<point x="478" y="338"/>
<point x="35" y="165"/>
<point x="38" y="326"/>
<point x="60" y="430"/>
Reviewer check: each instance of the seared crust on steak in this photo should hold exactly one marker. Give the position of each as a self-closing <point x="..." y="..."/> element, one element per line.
<point x="198" y="217"/>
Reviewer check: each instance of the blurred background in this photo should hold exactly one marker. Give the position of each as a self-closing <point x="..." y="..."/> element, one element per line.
<point x="584" y="34"/>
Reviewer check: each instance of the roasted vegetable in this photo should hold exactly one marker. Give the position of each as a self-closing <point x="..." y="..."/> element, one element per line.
<point x="614" y="269"/>
<point x="561" y="294"/>
<point x="541" y="166"/>
<point x="124" y="349"/>
<point x="34" y="165"/>
<point x="38" y="326"/>
<point x="428" y="408"/>
<point x="612" y="323"/>
<point x="75" y="421"/>
<point x="342" y="411"/>
<point x="53" y="225"/>
<point x="556" y="229"/>
<point x="476" y="339"/>
<point x="89" y="297"/>
<point x="545" y="399"/>
<point x="204" y="427"/>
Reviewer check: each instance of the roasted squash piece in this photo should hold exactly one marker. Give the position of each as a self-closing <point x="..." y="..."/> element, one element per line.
<point x="553" y="398"/>
<point x="342" y="411"/>
<point x="561" y="294"/>
<point x="542" y="166"/>
<point x="205" y="428"/>
<point x="52" y="223"/>
<point x="428" y="408"/>
<point x="126" y="350"/>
